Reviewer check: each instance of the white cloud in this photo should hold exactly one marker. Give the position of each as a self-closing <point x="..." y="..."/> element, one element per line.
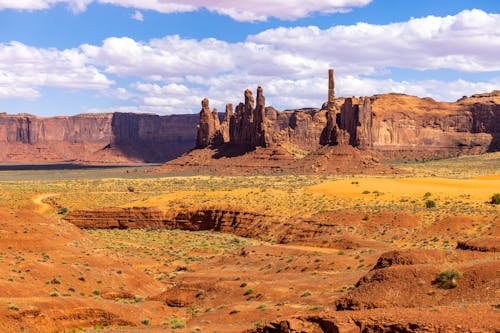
<point x="138" y="16"/>
<point x="76" y="6"/>
<point x="468" y="41"/>
<point x="161" y="58"/>
<point x="250" y="10"/>
<point x="290" y="63"/>
<point x="23" y="69"/>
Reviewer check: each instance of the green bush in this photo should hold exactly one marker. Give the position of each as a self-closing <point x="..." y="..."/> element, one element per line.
<point x="430" y="204"/>
<point x="248" y="292"/>
<point x="495" y="199"/>
<point x="62" y="211"/>
<point x="12" y="307"/>
<point x="448" y="279"/>
<point x="176" y="323"/>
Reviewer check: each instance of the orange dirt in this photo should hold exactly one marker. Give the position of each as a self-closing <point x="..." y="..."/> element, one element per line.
<point x="228" y="160"/>
<point x="357" y="268"/>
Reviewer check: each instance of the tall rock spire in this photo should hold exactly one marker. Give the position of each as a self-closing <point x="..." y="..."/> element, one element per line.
<point x="208" y="127"/>
<point x="331" y="89"/>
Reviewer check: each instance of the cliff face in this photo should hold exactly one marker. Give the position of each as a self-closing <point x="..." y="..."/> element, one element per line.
<point x="408" y="127"/>
<point x="397" y="125"/>
<point x="153" y="138"/>
<point x="95" y="138"/>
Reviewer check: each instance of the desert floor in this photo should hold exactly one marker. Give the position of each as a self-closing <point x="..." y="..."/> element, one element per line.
<point x="361" y="252"/>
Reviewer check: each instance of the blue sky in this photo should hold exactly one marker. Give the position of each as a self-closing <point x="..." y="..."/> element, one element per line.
<point x="63" y="57"/>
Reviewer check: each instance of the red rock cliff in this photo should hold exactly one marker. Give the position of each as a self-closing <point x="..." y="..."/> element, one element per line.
<point x="95" y="138"/>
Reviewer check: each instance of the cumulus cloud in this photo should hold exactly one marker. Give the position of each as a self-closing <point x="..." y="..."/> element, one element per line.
<point x="161" y="58"/>
<point x="468" y="41"/>
<point x="76" y="6"/>
<point x="175" y="73"/>
<point x="24" y="68"/>
<point x="249" y="11"/>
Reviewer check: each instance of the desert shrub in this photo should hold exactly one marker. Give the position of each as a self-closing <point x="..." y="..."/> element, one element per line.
<point x="96" y="292"/>
<point x="248" y="292"/>
<point x="146" y="321"/>
<point x="447" y="279"/>
<point x="495" y="199"/>
<point x="55" y="281"/>
<point x="62" y="211"/>
<point x="130" y="188"/>
<point x="430" y="204"/>
<point x="176" y="323"/>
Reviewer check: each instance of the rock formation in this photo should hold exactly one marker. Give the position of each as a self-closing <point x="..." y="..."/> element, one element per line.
<point x="95" y="138"/>
<point x="255" y="125"/>
<point x="399" y="126"/>
<point x="247" y="124"/>
<point x="209" y="127"/>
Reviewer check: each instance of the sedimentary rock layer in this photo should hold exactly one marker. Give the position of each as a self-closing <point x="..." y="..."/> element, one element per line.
<point x="95" y="138"/>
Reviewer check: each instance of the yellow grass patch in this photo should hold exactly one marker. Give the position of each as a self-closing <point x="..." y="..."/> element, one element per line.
<point x="478" y="189"/>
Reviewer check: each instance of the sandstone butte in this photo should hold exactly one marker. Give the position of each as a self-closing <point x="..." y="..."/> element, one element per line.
<point x="388" y="126"/>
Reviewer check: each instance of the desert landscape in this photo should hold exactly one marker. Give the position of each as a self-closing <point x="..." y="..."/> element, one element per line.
<point x="252" y="236"/>
<point x="274" y="253"/>
<point x="350" y="185"/>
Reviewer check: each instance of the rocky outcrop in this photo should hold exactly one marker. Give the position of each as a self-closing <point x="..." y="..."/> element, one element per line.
<point x="247" y="126"/>
<point x="408" y="127"/>
<point x="253" y="125"/>
<point x="232" y="221"/>
<point x="245" y="224"/>
<point x="95" y="138"/>
<point x="399" y="126"/>
<point x="482" y="244"/>
<point x="209" y="127"/>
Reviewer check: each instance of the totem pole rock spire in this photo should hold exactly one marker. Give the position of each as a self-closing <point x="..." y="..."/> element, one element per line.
<point x="331" y="89"/>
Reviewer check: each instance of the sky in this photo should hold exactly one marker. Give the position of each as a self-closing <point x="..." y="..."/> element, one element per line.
<point x="66" y="57"/>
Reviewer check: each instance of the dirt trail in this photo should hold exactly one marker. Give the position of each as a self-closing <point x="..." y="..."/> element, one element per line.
<point x="307" y="248"/>
<point x="42" y="207"/>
